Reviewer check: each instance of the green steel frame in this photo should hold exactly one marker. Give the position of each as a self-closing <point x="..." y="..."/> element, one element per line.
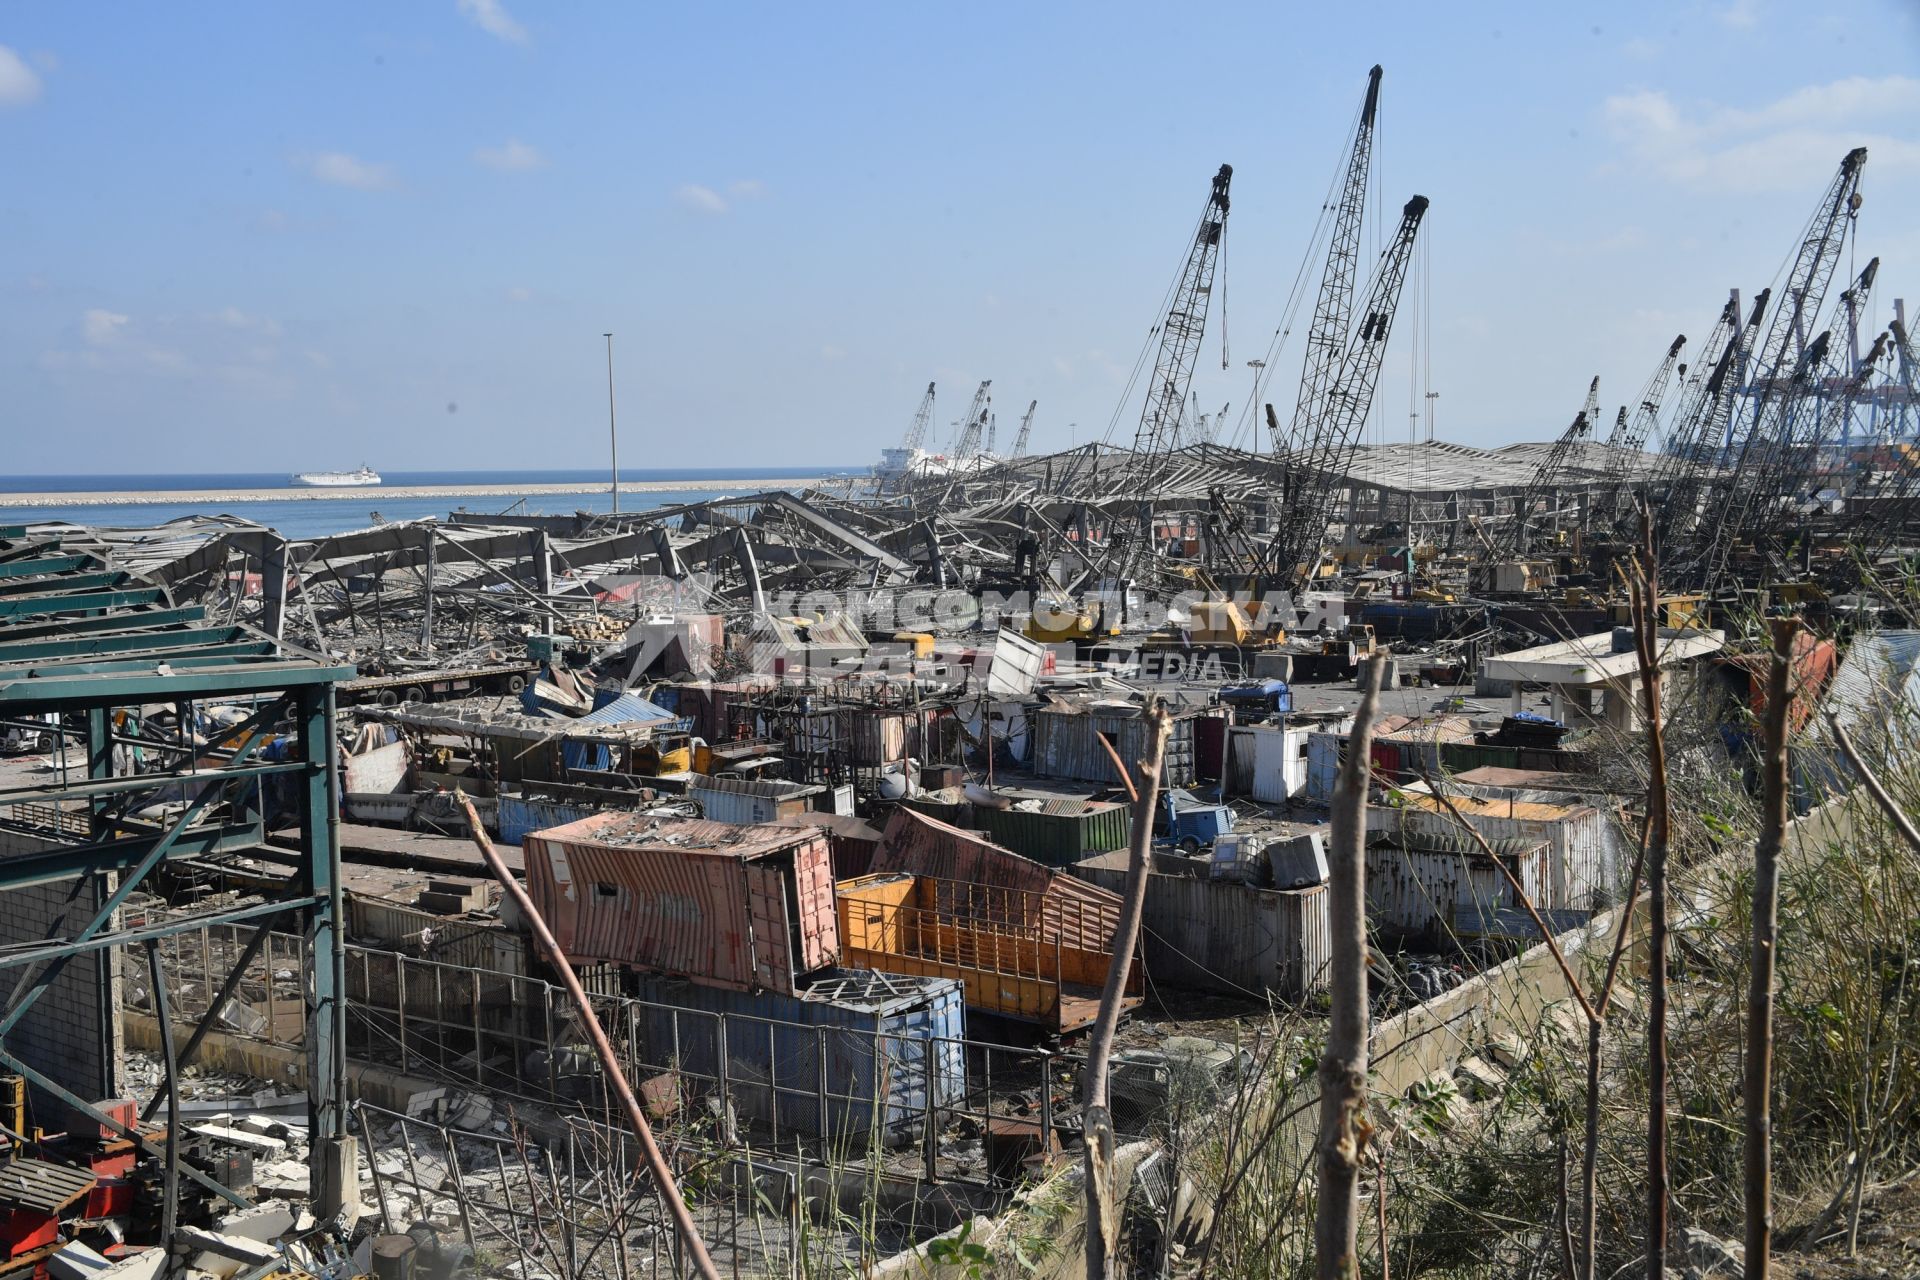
<point x="83" y="639"/>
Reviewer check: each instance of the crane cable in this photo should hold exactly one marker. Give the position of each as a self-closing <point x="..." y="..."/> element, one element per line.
<point x="1322" y="234"/>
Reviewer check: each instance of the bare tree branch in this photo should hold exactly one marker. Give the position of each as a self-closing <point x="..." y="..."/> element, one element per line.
<point x="1343" y="1067"/>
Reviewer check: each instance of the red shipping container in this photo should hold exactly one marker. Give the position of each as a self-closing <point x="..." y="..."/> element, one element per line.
<point x="744" y="907"/>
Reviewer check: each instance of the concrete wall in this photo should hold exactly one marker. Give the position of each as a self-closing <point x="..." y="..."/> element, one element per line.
<point x="72" y="1033"/>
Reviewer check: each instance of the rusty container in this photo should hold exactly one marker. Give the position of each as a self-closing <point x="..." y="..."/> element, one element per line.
<point x="749" y="908"/>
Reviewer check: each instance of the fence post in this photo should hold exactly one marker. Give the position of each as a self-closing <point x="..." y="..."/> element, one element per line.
<point x="929" y="1122"/>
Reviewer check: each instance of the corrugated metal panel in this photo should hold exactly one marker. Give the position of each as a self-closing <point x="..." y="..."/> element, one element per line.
<point x="1279" y="772"/>
<point x="1040" y="958"/>
<point x="872" y="1045"/>
<point x="436" y="937"/>
<point x="923" y="846"/>
<point x="380" y="771"/>
<point x="520" y="817"/>
<point x="1324" y="753"/>
<point x="1059" y="839"/>
<point x="1066" y="744"/>
<point x="1415" y="893"/>
<point x="1206" y="934"/>
<point x="1591" y="856"/>
<point x="674" y="896"/>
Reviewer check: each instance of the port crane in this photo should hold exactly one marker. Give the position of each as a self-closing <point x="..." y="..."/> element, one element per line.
<point x="917" y="429"/>
<point x="1630" y="434"/>
<point x="1026" y="430"/>
<point x="975" y="422"/>
<point x="1518" y="541"/>
<point x="1327" y="442"/>
<point x="1181" y="332"/>
<point x="1755" y="439"/>
<point x="1332" y="311"/>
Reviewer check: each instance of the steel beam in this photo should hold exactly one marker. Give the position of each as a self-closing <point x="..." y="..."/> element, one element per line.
<point x="63" y="583"/>
<point x="185" y="924"/>
<point x="320" y="847"/>
<point x="130" y="642"/>
<point x="145" y="781"/>
<point x="78" y="602"/>
<point x="58" y="692"/>
<point x="151" y="620"/>
<point x="136" y="874"/>
<point x="43" y="565"/>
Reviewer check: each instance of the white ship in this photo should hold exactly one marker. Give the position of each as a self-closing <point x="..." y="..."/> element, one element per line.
<point x="338" y="479"/>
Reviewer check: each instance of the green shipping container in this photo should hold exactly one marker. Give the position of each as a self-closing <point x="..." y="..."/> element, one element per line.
<point x="1062" y="832"/>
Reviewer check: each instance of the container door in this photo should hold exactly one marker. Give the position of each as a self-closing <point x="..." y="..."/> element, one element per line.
<point x="767" y="916"/>
<point x="813" y="891"/>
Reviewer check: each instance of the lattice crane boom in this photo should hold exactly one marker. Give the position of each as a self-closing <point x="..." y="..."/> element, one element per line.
<point x="975" y="423"/>
<point x="917" y="429"/>
<point x="1327" y="446"/>
<point x="1026" y="430"/>
<point x="1184" y="326"/>
<point x="1332" y="310"/>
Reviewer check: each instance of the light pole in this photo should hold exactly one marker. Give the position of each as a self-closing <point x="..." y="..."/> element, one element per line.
<point x="1253" y="405"/>
<point x="613" y="433"/>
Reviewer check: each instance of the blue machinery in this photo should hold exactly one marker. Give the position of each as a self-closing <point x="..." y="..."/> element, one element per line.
<point x="95" y="644"/>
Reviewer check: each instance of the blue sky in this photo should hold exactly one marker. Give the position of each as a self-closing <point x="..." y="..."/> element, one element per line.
<point x="250" y="237"/>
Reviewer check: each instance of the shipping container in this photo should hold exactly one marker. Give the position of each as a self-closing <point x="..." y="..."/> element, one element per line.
<point x="854" y="1052"/>
<point x="750" y="908"/>
<point x="1417" y="886"/>
<point x="1214" y="935"/>
<point x="1066" y="743"/>
<point x="922" y="846"/>
<point x="1268" y="762"/>
<point x="521" y="815"/>
<point x="1059" y="832"/>
<point x="1591" y="855"/>
<point x="750" y="800"/>
<point x="1017" y="954"/>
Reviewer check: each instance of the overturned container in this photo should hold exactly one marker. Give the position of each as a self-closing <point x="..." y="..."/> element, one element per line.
<point x="749" y="908"/>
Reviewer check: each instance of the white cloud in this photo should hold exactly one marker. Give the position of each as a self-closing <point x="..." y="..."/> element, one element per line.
<point x="234" y="318"/>
<point x="519" y="293"/>
<point x="512" y="156"/>
<point x="700" y="199"/>
<point x="492" y="17"/>
<point x="1783" y="145"/>
<point x="19" y="85"/>
<point x="1741" y="15"/>
<point x="339" y="169"/>
<point x="747" y="189"/>
<point x="100" y="327"/>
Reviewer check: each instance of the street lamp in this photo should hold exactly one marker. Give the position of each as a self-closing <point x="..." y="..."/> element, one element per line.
<point x="613" y="434"/>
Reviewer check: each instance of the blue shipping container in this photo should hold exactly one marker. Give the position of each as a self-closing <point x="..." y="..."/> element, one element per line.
<point x="518" y="816"/>
<point x="863" y="1044"/>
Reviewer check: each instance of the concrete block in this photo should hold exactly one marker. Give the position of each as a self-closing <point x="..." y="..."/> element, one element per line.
<point x="223" y="1255"/>
<point x="258" y="1143"/>
<point x="264" y="1222"/>
<point x="75" y="1261"/>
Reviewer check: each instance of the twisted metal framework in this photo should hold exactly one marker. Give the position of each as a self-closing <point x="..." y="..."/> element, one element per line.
<point x="975" y="422"/>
